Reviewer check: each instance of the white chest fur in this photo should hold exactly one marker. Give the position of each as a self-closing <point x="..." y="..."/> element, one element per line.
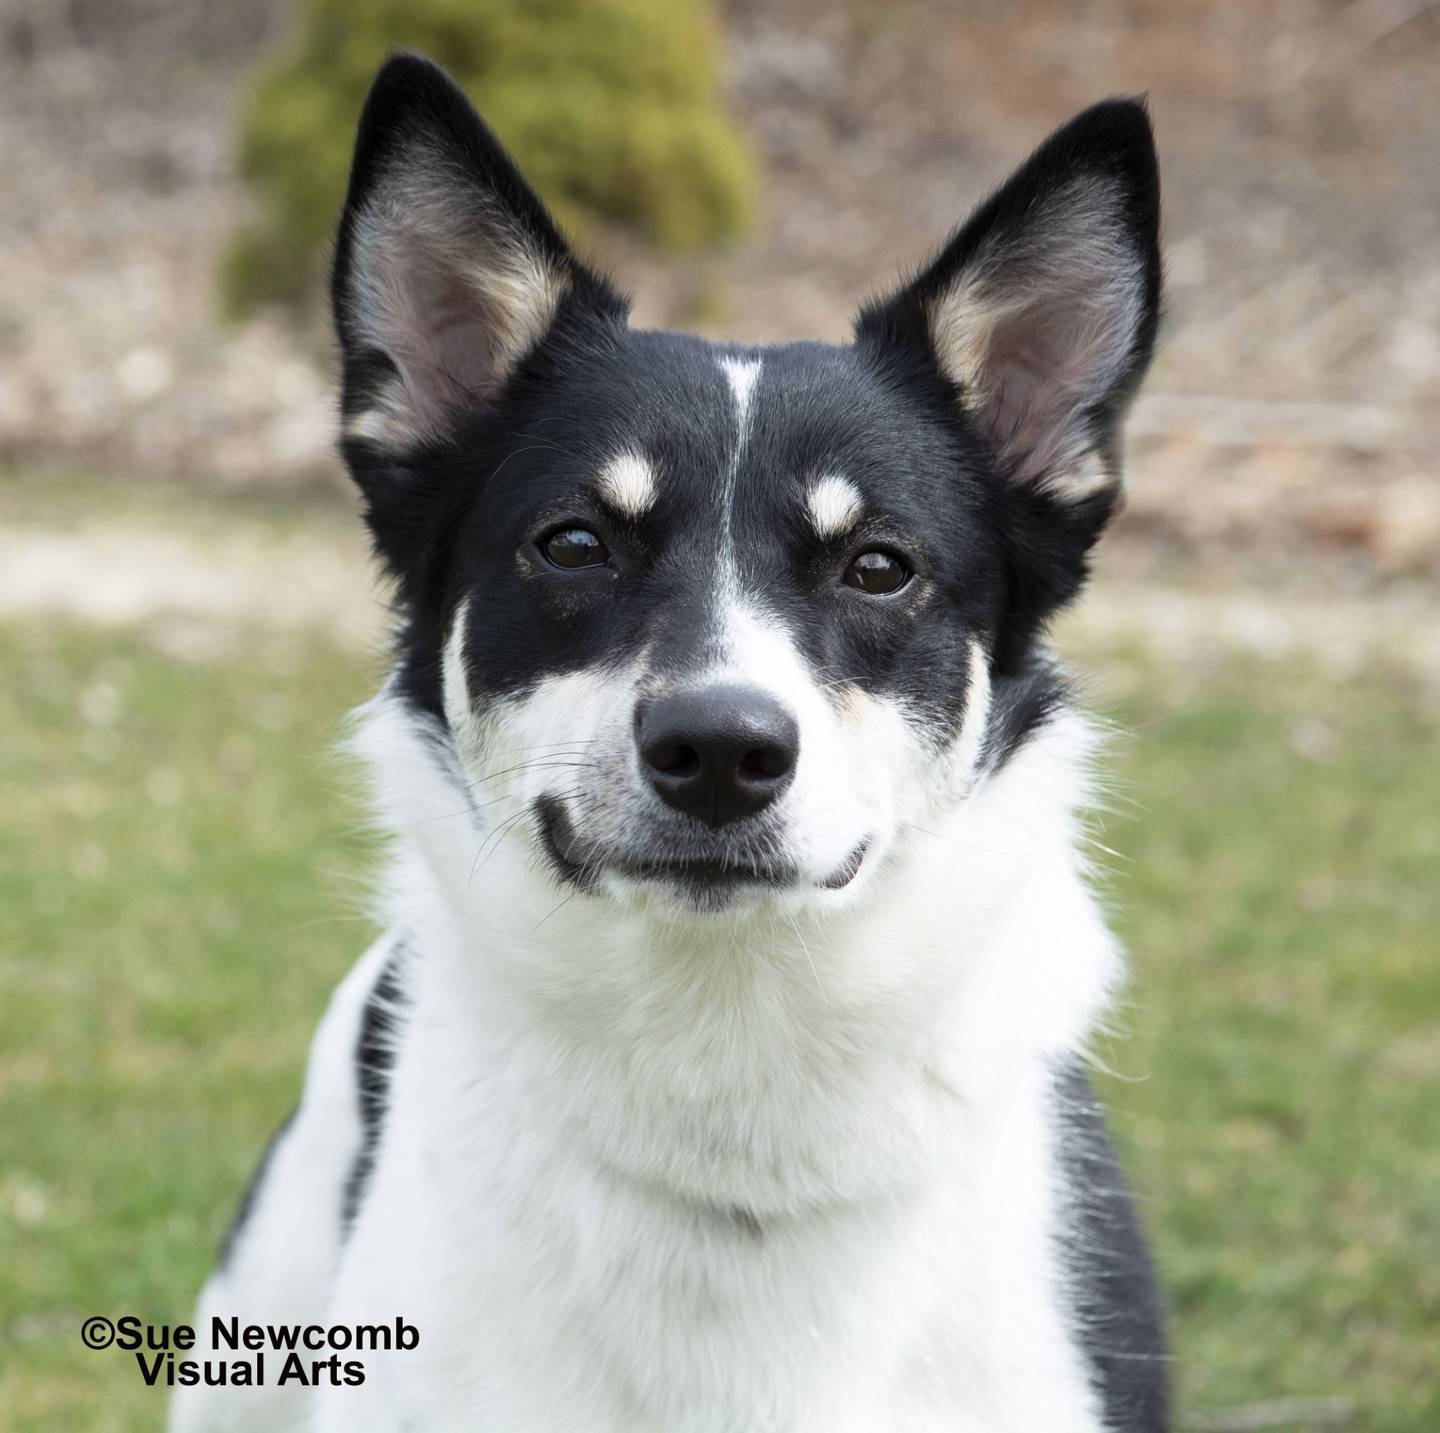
<point x="636" y="1178"/>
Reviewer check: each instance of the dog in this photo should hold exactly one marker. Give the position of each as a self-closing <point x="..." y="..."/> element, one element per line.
<point x="722" y="1067"/>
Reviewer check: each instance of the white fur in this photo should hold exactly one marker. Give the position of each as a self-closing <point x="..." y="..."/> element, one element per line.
<point x="781" y="1162"/>
<point x="283" y="1265"/>
<point x="596" y="1102"/>
<point x="859" y="1082"/>
<point x="835" y="505"/>
<point x="628" y="484"/>
<point x="572" y="736"/>
<point x="786" y="1167"/>
<point x="742" y="374"/>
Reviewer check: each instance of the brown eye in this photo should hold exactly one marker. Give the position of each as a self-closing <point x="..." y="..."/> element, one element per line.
<point x="878" y="573"/>
<point x="575" y="547"/>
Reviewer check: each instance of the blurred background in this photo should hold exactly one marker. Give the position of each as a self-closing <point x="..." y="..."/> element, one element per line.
<point x="187" y="607"/>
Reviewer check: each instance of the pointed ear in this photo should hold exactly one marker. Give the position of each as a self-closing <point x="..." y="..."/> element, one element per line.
<point x="1041" y="310"/>
<point x="448" y="270"/>
<point x="1039" y="316"/>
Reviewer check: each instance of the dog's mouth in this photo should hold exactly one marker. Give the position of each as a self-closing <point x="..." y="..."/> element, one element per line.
<point x="696" y="876"/>
<point x="848" y="869"/>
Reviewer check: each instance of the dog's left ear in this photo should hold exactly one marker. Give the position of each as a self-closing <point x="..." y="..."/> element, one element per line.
<point x="1040" y="314"/>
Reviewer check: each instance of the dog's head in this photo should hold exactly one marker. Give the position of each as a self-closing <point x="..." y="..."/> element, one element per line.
<point x="716" y="625"/>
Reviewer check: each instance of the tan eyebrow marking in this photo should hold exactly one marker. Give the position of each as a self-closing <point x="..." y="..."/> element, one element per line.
<point x="835" y="506"/>
<point x="627" y="483"/>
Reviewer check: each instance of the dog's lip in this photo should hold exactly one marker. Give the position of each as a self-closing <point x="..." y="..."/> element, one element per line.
<point x="705" y="872"/>
<point x="848" y="869"/>
<point x="558" y="835"/>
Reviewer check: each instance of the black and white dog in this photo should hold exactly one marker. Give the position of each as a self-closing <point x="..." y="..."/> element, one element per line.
<point x="721" y="1069"/>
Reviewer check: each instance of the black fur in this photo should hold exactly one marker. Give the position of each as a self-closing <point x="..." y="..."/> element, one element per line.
<point x="374" y="1058"/>
<point x="1114" y="1294"/>
<point x="819" y="409"/>
<point x="415" y="500"/>
<point x="1046" y="540"/>
<point x="996" y="548"/>
<point x="1022" y="701"/>
<point x="460" y="517"/>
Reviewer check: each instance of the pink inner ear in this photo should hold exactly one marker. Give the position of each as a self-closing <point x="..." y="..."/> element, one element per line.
<point x="443" y="334"/>
<point x="1042" y="367"/>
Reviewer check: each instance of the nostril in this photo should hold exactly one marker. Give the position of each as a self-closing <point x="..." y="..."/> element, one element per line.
<point x="764" y="763"/>
<point x="672" y="757"/>
<point x="679" y="761"/>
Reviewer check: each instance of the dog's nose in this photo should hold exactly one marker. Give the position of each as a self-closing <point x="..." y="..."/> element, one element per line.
<point x="718" y="753"/>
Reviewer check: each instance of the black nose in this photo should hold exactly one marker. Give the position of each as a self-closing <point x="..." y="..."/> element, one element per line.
<point x="718" y="753"/>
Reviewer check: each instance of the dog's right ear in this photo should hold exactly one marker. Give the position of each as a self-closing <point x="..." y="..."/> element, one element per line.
<point x="448" y="271"/>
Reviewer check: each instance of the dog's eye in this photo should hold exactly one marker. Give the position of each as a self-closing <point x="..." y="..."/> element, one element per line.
<point x="575" y="547"/>
<point x="878" y="573"/>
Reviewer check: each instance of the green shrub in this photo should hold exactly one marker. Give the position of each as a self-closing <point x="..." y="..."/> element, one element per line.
<point x="611" y="107"/>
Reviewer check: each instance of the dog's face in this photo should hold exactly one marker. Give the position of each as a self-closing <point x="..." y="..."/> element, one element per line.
<point x="720" y="616"/>
<point x="716" y="626"/>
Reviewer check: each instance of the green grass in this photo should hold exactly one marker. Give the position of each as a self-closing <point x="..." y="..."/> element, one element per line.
<point x="174" y="853"/>
<point x="178" y="862"/>
<point x="1282" y="899"/>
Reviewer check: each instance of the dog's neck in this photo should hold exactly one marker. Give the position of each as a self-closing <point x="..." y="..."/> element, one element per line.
<point x="768" y="1062"/>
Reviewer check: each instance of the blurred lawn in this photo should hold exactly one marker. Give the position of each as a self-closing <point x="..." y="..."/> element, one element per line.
<point x="179" y="869"/>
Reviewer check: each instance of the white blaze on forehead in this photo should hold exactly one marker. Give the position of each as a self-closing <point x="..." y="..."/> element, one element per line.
<point x="742" y="373"/>
<point x="627" y="484"/>
<point x="835" y="506"/>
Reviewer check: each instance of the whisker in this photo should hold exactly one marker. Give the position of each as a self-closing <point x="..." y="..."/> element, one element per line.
<point x="964" y="845"/>
<point x="495" y="837"/>
<point x="538" y="764"/>
<point x="815" y="974"/>
<point x="571" y="741"/>
<point x="505" y="826"/>
<point x="516" y="452"/>
<point x="562" y="754"/>
<point x="554" y="911"/>
<point x="508" y="795"/>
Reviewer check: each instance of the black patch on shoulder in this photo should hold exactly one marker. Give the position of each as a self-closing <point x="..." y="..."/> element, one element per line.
<point x="251" y="1197"/>
<point x="1021" y="703"/>
<point x="380" y="1025"/>
<point x="1113" y="1293"/>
